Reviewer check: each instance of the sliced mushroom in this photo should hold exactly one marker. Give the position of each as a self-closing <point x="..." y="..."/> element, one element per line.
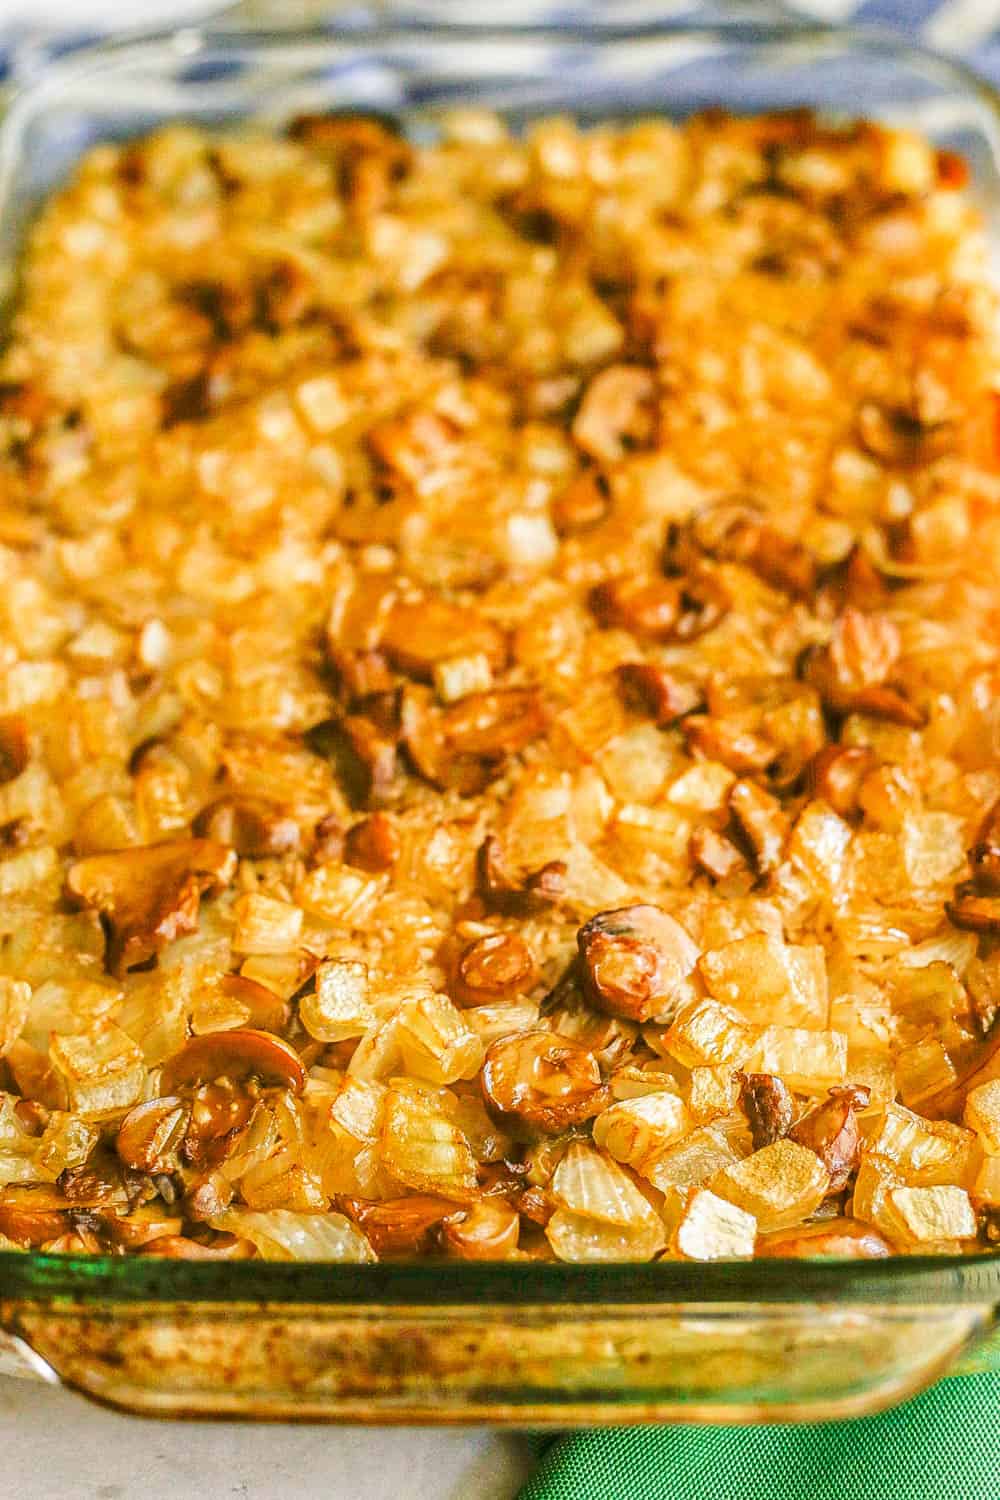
<point x="15" y="746"/>
<point x="836" y="774"/>
<point x="372" y="844"/>
<point x="613" y="414"/>
<point x="648" y="606"/>
<point x="463" y="747"/>
<point x="28" y="1225"/>
<point x="973" y="910"/>
<point x="851" y="672"/>
<point x="714" y="854"/>
<point x="362" y="755"/>
<point x="487" y="1231"/>
<point x="762" y="822"/>
<point x="235" y="1055"/>
<point x="513" y="896"/>
<point x="735" y="532"/>
<point x="831" y="1130"/>
<point x="150" y="1135"/>
<point x="633" y="960"/>
<point x="253" y="826"/>
<point x="417" y="636"/>
<point x="494" y="967"/>
<point x="544" y="1080"/>
<point x="984" y="856"/>
<point x="399" y="1226"/>
<point x="849" y="1239"/>
<point x="584" y="504"/>
<point x="768" y="1107"/>
<point x="180" y="1247"/>
<point x="149" y="896"/>
<point x="268" y="1012"/>
<point x="657" y="691"/>
<point x="360" y="673"/>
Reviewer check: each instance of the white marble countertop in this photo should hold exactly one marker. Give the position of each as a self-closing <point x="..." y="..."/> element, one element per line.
<point x="57" y="1445"/>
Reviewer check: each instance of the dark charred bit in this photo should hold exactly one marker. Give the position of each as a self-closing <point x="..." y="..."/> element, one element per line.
<point x="658" y="692"/>
<point x="768" y="1107"/>
<point x="363" y="758"/>
<point x="372" y="844"/>
<point x="512" y="896"/>
<point x="831" y="1130"/>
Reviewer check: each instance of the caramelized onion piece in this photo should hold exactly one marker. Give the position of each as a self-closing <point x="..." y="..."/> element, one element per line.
<point x="584" y="503"/>
<point x="487" y="1231"/>
<point x="768" y="1107"/>
<point x="417" y="636"/>
<point x="649" y="607"/>
<point x="973" y="910"/>
<point x="150" y="896"/>
<point x="612" y="414"/>
<point x="983" y="1068"/>
<point x="31" y="1226"/>
<point x="735" y="532"/>
<point x="714" y="854"/>
<point x="494" y="967"/>
<point x="362" y="755"/>
<point x="849" y="1239"/>
<point x="254" y="826"/>
<point x="235" y="1054"/>
<point x="543" y="1079"/>
<point x="831" y="1130"/>
<point x="984" y="856"/>
<point x="151" y="1133"/>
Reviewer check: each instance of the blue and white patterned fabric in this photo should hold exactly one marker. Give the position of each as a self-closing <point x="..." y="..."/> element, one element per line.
<point x="968" y="28"/>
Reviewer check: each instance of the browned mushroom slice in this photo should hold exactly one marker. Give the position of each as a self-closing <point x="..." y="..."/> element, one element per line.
<point x="150" y="1135"/>
<point x="614" y="414"/>
<point x="253" y="826"/>
<point x="729" y="742"/>
<point x="657" y="691"/>
<point x="735" y="532"/>
<point x="234" y="1055"/>
<point x="372" y="844"/>
<point x="15" y="746"/>
<point x="831" y="1130"/>
<point x="517" y="897"/>
<point x="984" y="856"/>
<point x="487" y="1231"/>
<point x="149" y="896"/>
<point x="362" y="755"/>
<point x="768" y="1107"/>
<point x="583" y="504"/>
<point x="268" y="1012"/>
<point x="649" y="607"/>
<point x="360" y="673"/>
<point x="762" y="822"/>
<point x="26" y="1224"/>
<point x="368" y="152"/>
<point x="973" y="910"/>
<point x="544" y="1079"/>
<point x="835" y="774"/>
<point x="417" y="636"/>
<point x="399" y="1226"/>
<point x="714" y="854"/>
<point x="851" y="673"/>
<point x="633" y="960"/>
<point x="139" y="1228"/>
<point x="849" y="1239"/>
<point x="464" y="747"/>
<point x="180" y="1247"/>
<point x="494" y="967"/>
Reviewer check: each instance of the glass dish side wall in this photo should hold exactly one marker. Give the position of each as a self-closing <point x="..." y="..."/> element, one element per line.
<point x="737" y="1342"/>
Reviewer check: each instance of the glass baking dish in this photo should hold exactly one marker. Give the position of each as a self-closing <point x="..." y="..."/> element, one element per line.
<point x="507" y="1343"/>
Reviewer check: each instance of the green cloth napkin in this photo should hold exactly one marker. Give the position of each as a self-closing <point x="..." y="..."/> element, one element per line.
<point x="942" y="1445"/>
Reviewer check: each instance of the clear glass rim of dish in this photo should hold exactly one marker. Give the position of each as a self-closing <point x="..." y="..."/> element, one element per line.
<point x="904" y="1280"/>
